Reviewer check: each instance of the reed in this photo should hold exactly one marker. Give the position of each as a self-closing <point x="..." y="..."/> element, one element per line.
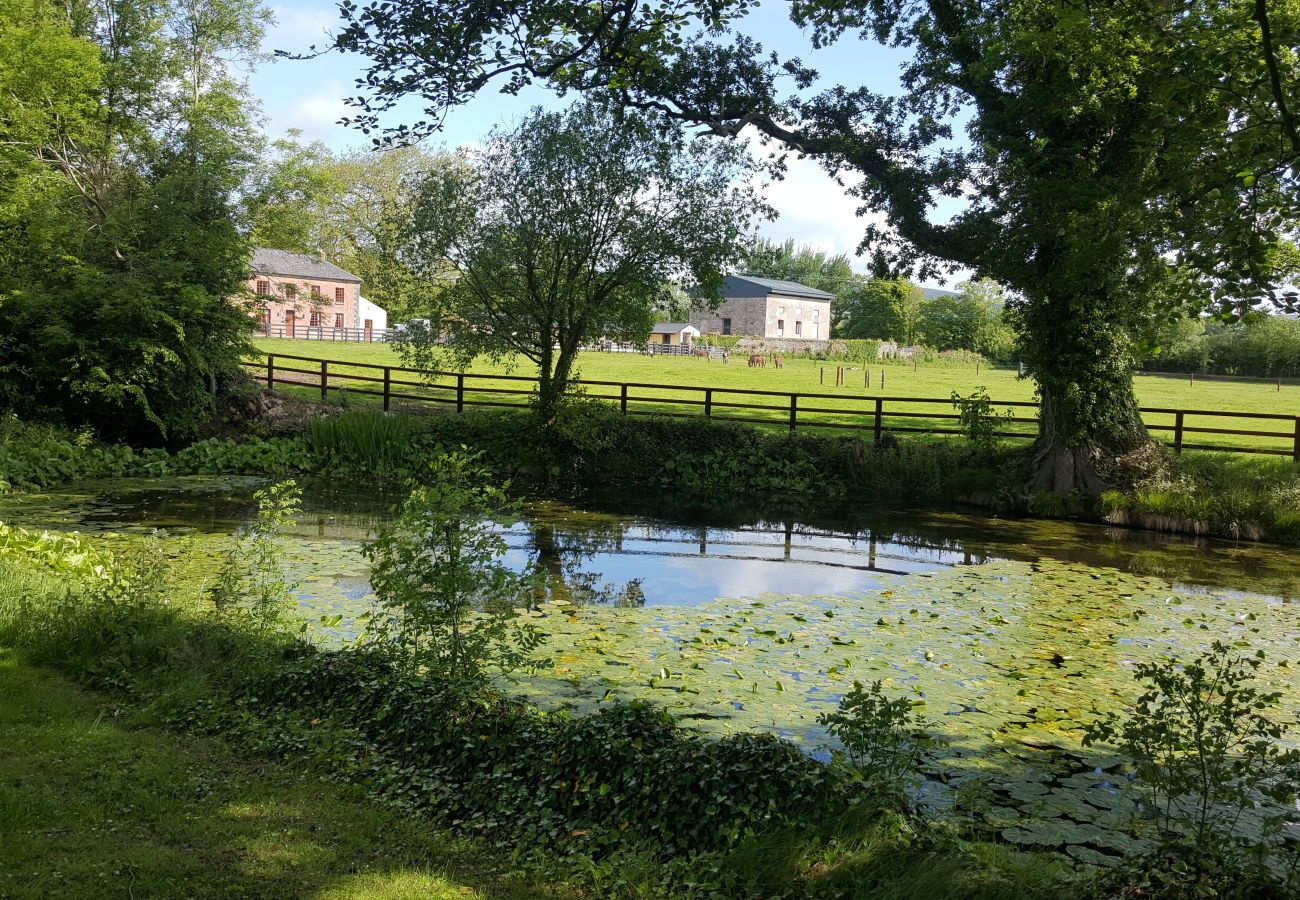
<point x="362" y="440"/>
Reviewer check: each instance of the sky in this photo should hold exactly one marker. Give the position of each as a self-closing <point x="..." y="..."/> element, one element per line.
<point x="309" y="95"/>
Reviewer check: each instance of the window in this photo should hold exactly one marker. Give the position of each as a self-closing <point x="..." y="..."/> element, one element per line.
<point x="290" y="292"/>
<point x="315" y="291"/>
<point x="726" y="326"/>
<point x="817" y="314"/>
<point x="780" y="327"/>
<point x="338" y="295"/>
<point x="798" y="310"/>
<point x="816" y="331"/>
<point x="338" y="320"/>
<point x="780" y="310"/>
<point x="264" y="287"/>
<point x="315" y="320"/>
<point x="798" y="328"/>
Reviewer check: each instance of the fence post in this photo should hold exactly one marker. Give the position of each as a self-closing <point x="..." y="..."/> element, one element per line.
<point x="460" y="392"/>
<point x="1295" y="452"/>
<point x="882" y="379"/>
<point x="270" y="371"/>
<point x="866" y="376"/>
<point x="880" y="410"/>
<point x="388" y="385"/>
<point x="822" y="379"/>
<point x="1178" y="432"/>
<point x="708" y="403"/>
<point x="324" y="379"/>
<point x="622" y="399"/>
<point x="794" y="411"/>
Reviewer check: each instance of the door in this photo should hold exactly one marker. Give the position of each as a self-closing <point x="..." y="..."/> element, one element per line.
<point x="289" y="323"/>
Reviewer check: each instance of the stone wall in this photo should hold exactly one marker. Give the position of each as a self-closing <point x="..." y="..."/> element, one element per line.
<point x="773" y="316"/>
<point x="748" y="316"/>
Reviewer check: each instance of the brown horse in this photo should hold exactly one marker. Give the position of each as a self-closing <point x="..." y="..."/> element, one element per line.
<point x="757" y="359"/>
<point x="777" y="361"/>
<point x="700" y="352"/>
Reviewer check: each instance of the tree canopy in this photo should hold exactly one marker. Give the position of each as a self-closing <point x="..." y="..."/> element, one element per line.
<point x="122" y="144"/>
<point x="567" y="227"/>
<point x="1121" y="160"/>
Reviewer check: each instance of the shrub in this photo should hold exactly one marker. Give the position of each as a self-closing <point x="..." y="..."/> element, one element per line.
<point x="253" y="570"/>
<point x="446" y="602"/>
<point x="1220" y="787"/>
<point x="881" y="737"/>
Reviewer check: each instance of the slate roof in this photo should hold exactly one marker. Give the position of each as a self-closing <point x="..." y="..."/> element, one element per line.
<point x="296" y="265"/>
<point x="672" y="327"/>
<point x="752" y="285"/>
<point x="936" y="293"/>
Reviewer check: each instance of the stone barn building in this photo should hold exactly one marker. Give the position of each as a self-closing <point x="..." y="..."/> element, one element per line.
<point x="767" y="308"/>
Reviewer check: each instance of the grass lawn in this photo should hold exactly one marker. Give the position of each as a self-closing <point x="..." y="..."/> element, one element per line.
<point x="804" y="376"/>
<point x="90" y="807"/>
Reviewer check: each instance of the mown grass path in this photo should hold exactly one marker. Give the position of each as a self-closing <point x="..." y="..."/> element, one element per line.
<point x="90" y="807"/>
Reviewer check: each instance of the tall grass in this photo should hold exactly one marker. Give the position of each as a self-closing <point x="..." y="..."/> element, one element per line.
<point x="362" y="440"/>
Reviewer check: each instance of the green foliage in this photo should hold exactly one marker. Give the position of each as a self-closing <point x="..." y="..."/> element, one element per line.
<point x="1261" y="346"/>
<point x="121" y="255"/>
<point x="565" y="228"/>
<point x="884" y="309"/>
<point x="33" y="457"/>
<point x="979" y="420"/>
<point x="1220" y="785"/>
<point x="623" y="777"/>
<point x="1217" y="494"/>
<point x="1141" y="160"/>
<point x="254" y="456"/>
<point x="252" y="571"/>
<point x="363" y="441"/>
<point x="446" y="601"/>
<point x="880" y="735"/>
<point x="971" y="320"/>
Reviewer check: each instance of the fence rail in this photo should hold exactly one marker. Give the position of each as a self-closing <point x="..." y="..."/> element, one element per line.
<point x="304" y="331"/>
<point x="872" y="414"/>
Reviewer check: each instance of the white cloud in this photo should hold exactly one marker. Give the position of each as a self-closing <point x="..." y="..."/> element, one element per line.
<point x="814" y="209"/>
<point x="299" y="26"/>
<point x="316" y="114"/>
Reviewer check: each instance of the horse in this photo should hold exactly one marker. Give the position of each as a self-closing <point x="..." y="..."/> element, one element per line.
<point x="757" y="359"/>
<point x="777" y="361"/>
<point x="700" y="352"/>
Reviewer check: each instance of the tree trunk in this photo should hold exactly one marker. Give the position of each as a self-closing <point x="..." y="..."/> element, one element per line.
<point x="1090" y="433"/>
<point x="552" y="384"/>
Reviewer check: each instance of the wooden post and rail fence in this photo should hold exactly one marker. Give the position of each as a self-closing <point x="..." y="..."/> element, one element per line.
<point x="876" y="415"/>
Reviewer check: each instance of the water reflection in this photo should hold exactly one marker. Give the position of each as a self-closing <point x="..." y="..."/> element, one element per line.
<point x="622" y="558"/>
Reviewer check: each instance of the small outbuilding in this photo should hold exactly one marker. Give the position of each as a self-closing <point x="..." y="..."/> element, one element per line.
<point x="674" y="333"/>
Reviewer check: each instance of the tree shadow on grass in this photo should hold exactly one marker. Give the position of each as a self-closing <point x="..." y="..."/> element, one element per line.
<point x="90" y="808"/>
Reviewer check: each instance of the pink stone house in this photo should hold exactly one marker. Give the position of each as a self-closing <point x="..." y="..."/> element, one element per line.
<point x="301" y="295"/>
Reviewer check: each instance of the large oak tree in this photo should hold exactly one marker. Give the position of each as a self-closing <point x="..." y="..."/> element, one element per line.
<point x="1121" y="159"/>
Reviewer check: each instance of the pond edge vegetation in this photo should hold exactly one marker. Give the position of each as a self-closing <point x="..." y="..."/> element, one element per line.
<point x="624" y="801"/>
<point x="703" y="464"/>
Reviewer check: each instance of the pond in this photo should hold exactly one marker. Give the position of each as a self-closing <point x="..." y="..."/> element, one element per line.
<point x="1009" y="635"/>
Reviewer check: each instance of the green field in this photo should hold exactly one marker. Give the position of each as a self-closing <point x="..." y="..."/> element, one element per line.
<point x="849" y="405"/>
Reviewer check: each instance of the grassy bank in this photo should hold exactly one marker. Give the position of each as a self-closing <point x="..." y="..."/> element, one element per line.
<point x="92" y="805"/>
<point x="328" y="774"/>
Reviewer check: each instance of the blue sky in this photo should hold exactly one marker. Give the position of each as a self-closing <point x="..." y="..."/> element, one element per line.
<point x="309" y="95"/>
